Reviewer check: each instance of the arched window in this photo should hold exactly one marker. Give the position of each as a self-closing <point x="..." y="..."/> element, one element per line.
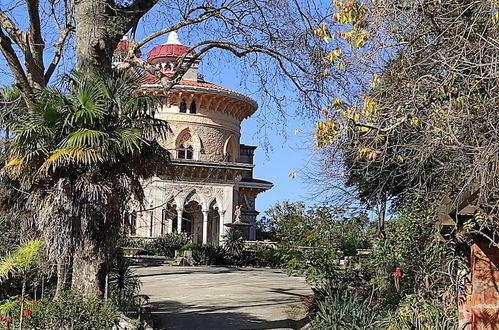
<point x="183" y="107"/>
<point x="192" y="107"/>
<point x="187" y="145"/>
<point x="230" y="150"/>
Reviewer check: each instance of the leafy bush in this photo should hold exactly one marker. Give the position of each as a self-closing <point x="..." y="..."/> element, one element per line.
<point x="131" y="242"/>
<point x="210" y="255"/>
<point x="68" y="311"/>
<point x="340" y="308"/>
<point x="411" y="245"/>
<point x="262" y="256"/>
<point x="167" y="244"/>
<point x="312" y="240"/>
<point x="418" y="314"/>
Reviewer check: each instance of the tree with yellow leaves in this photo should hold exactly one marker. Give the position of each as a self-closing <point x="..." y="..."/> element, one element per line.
<point x="421" y="117"/>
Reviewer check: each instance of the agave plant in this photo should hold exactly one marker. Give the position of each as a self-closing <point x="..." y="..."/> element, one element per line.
<point x="81" y="155"/>
<point x="340" y="309"/>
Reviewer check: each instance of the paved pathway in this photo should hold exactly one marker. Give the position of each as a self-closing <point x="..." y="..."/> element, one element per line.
<point x="219" y="298"/>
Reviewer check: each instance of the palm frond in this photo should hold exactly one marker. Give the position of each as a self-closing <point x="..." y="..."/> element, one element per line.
<point x="26" y="256"/>
<point x="129" y="139"/>
<point x="85" y="138"/>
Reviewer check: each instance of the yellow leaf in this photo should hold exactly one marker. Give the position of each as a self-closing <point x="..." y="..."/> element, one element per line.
<point x="399" y="159"/>
<point x="337" y="102"/>
<point x="13" y="162"/>
<point x="334" y="55"/>
<point x="341" y="65"/>
<point x="495" y="18"/>
<point x="361" y="39"/>
<point x="292" y="175"/>
<point x="415" y="121"/>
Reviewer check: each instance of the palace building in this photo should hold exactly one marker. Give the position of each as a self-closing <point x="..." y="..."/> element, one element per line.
<point x="212" y="174"/>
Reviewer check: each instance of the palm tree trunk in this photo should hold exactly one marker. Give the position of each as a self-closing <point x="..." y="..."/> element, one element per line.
<point x="90" y="268"/>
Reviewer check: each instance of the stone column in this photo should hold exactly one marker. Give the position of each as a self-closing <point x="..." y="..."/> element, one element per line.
<point x="252" y="231"/>
<point x="205" y="226"/>
<point x="170" y="225"/>
<point x="179" y="220"/>
<point x="222" y="226"/>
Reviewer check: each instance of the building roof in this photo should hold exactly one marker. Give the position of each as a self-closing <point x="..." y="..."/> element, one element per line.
<point x="150" y="81"/>
<point x="166" y="51"/>
<point x="255" y="181"/>
<point x="255" y="185"/>
<point x="172" y="48"/>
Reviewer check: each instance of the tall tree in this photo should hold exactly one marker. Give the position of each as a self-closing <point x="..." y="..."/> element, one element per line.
<point x="81" y="155"/>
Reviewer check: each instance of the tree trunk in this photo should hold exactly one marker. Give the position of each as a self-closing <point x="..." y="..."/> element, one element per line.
<point x="381" y="216"/>
<point x="95" y="39"/>
<point x="90" y="267"/>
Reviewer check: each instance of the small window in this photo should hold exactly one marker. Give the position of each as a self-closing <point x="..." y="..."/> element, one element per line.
<point x="183" y="107"/>
<point x="131" y="223"/>
<point x="192" y="108"/>
<point x="185" y="152"/>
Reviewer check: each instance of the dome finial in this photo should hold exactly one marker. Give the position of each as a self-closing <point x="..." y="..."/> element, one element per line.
<point x="173" y="39"/>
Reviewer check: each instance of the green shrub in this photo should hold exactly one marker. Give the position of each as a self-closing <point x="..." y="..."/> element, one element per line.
<point x="131" y="242"/>
<point x="418" y="314"/>
<point x="186" y="247"/>
<point x="210" y="255"/>
<point x="261" y="256"/>
<point x="338" y="308"/>
<point x="167" y="244"/>
<point x="69" y="311"/>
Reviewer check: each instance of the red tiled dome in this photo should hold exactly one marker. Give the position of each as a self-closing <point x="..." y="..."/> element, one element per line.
<point x="123" y="46"/>
<point x="166" y="51"/>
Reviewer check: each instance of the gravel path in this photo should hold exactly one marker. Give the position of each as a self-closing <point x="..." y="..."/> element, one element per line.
<point x="219" y="298"/>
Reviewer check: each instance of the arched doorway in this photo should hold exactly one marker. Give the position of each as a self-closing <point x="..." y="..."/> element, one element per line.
<point x="213" y="224"/>
<point x="168" y="219"/>
<point x="192" y="221"/>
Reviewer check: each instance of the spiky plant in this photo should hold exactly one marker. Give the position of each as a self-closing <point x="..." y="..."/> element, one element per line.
<point x="81" y="155"/>
<point x="28" y="255"/>
<point x="10" y="101"/>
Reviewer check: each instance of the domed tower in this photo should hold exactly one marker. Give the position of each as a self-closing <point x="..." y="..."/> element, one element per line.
<point x="212" y="182"/>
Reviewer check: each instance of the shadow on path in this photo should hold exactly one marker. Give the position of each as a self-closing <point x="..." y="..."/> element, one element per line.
<point x="175" y="315"/>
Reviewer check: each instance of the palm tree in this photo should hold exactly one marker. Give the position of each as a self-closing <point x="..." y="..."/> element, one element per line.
<point x="81" y="155"/>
